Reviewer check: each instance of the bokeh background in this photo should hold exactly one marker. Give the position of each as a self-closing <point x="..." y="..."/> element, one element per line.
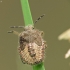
<point x="56" y="21"/>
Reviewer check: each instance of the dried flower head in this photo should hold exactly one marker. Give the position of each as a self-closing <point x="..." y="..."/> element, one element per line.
<point x="65" y="35"/>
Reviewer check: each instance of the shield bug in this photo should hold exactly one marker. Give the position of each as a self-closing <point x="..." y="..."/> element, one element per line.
<point x="31" y="44"/>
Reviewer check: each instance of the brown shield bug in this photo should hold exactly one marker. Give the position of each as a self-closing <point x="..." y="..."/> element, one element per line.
<point x="31" y="44"/>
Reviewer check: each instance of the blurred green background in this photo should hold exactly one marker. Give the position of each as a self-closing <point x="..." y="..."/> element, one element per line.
<point x="56" y="21"/>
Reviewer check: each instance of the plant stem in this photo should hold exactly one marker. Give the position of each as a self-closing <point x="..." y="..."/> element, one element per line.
<point x="39" y="67"/>
<point x="26" y="12"/>
<point x="28" y="21"/>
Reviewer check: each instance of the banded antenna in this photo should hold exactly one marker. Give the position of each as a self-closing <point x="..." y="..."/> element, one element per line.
<point x="17" y="27"/>
<point x="39" y="18"/>
<point x="23" y="26"/>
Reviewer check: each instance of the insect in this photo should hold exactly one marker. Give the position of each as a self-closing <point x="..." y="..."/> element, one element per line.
<point x="31" y="44"/>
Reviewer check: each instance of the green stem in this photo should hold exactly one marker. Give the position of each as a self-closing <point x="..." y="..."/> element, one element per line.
<point x="26" y="12"/>
<point x="39" y="67"/>
<point x="28" y="21"/>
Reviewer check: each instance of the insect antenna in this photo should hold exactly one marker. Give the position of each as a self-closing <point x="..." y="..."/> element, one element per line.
<point x="39" y="18"/>
<point x="17" y="27"/>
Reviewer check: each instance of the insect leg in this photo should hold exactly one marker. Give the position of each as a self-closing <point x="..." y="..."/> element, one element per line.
<point x="14" y="32"/>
